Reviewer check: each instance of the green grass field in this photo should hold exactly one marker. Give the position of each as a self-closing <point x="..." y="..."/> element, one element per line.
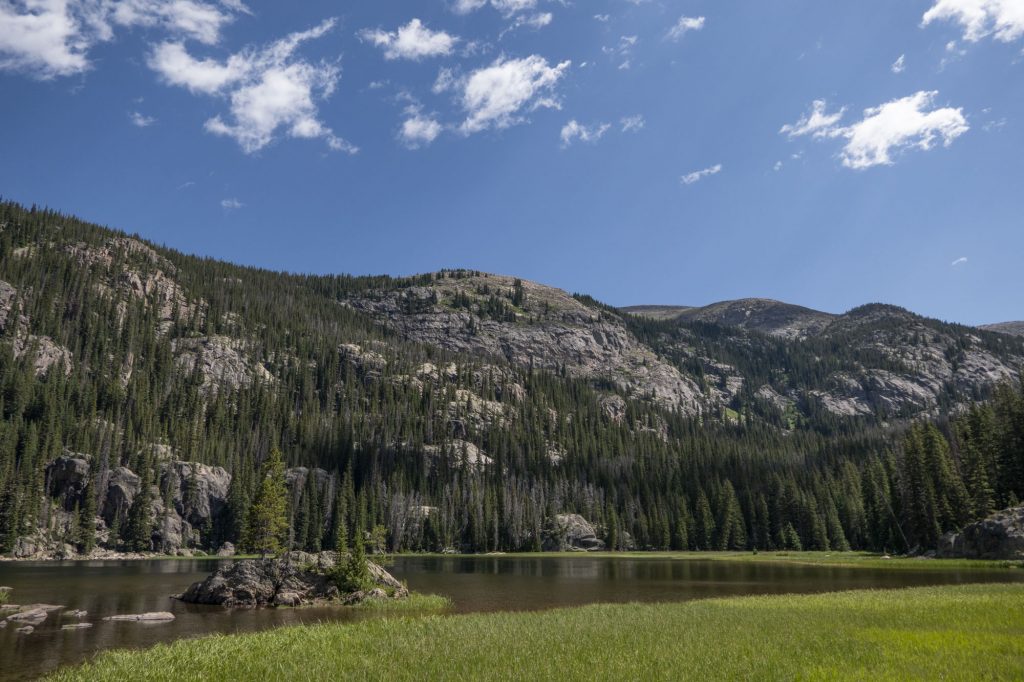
<point x="968" y="632"/>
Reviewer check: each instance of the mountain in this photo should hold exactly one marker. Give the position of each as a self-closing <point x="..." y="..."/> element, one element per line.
<point x="1014" y="328"/>
<point x="141" y="388"/>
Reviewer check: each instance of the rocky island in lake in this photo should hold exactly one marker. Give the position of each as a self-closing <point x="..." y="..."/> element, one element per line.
<point x="294" y="579"/>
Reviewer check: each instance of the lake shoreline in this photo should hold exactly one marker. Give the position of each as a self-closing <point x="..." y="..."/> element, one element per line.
<point x="843" y="559"/>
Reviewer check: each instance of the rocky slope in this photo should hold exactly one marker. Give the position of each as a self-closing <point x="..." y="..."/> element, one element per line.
<point x="1013" y="328"/>
<point x="539" y="327"/>
<point x="873" y="361"/>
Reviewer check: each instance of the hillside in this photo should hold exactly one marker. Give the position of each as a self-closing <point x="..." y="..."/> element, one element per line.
<point x="1014" y="328"/>
<point x="141" y="388"/>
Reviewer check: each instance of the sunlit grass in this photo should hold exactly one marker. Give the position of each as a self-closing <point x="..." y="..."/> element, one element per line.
<point x="963" y="632"/>
<point x="414" y="602"/>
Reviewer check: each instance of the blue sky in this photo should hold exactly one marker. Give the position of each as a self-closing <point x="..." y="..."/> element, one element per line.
<point x="826" y="154"/>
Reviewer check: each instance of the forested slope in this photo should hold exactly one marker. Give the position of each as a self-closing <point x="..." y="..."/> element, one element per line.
<point x="142" y="388"/>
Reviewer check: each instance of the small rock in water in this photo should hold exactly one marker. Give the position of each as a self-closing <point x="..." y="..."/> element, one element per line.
<point x="157" y="617"/>
<point x="75" y="614"/>
<point x="76" y="626"/>
<point x="3" y="624"/>
<point x="26" y="630"/>
<point x="30" y="616"/>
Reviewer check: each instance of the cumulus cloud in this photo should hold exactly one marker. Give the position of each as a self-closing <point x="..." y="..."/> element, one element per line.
<point x="497" y="96"/>
<point x="684" y="26"/>
<point x="231" y="204"/>
<point x="886" y="130"/>
<point x="268" y="89"/>
<point x="633" y="124"/>
<point x="52" y="38"/>
<point x="959" y="261"/>
<point x="1001" y="19"/>
<point x="141" y="121"/>
<point x="413" y="41"/>
<point x="573" y="130"/>
<point x="899" y="65"/>
<point x="418" y="130"/>
<point x="697" y="176"/>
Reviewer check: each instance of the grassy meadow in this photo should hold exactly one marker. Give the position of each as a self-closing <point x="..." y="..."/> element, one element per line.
<point x="962" y="632"/>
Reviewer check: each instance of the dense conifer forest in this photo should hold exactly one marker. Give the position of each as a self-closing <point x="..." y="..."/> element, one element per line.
<point x="134" y="356"/>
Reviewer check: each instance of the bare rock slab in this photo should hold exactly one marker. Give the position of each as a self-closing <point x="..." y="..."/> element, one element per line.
<point x="154" y="617"/>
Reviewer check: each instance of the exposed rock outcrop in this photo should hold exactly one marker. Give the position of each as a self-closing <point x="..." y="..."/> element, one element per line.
<point x="294" y="579"/>
<point x="222" y="360"/>
<point x="571" y="532"/>
<point x="548" y="329"/>
<point x="1000" y="536"/>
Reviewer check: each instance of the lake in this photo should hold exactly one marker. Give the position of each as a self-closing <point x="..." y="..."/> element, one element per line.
<point x="486" y="583"/>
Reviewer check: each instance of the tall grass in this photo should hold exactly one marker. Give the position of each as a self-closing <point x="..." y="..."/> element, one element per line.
<point x="963" y="632"/>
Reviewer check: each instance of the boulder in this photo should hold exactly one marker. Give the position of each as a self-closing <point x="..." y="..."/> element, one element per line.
<point x="227" y="549"/>
<point x="154" y="617"/>
<point x="571" y="532"/>
<point x="26" y="630"/>
<point x="1000" y="536"/>
<point x="294" y="579"/>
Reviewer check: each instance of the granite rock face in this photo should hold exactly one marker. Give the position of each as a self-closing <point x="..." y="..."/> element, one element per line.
<point x="571" y="532"/>
<point x="294" y="579"/>
<point x="547" y="329"/>
<point x="1000" y="536"/>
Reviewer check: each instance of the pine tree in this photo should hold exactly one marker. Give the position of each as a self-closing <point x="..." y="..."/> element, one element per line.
<point x="87" y="520"/>
<point x="267" y="525"/>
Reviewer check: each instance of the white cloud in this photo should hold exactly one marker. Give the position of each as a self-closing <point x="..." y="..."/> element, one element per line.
<point x="899" y="65"/>
<point x="231" y="204"/>
<point x="534" y="21"/>
<point x="412" y="41"/>
<point x="959" y="261"/>
<point x="777" y="167"/>
<point x="623" y="50"/>
<point x="269" y="89"/>
<point x="633" y="124"/>
<point x="684" y="26"/>
<point x="495" y="96"/>
<point x="506" y="7"/>
<point x="51" y="38"/>
<point x="603" y="18"/>
<point x="817" y="123"/>
<point x="1002" y="19"/>
<point x="417" y="129"/>
<point x="200" y="21"/>
<point x="573" y="130"/>
<point x="885" y="130"/>
<point x="140" y="120"/>
<point x="696" y="176"/>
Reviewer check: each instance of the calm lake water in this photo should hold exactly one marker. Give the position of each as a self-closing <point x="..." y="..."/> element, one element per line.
<point x="105" y="588"/>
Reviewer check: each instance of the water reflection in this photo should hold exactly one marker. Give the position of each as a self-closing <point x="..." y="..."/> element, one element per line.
<point x="105" y="588"/>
